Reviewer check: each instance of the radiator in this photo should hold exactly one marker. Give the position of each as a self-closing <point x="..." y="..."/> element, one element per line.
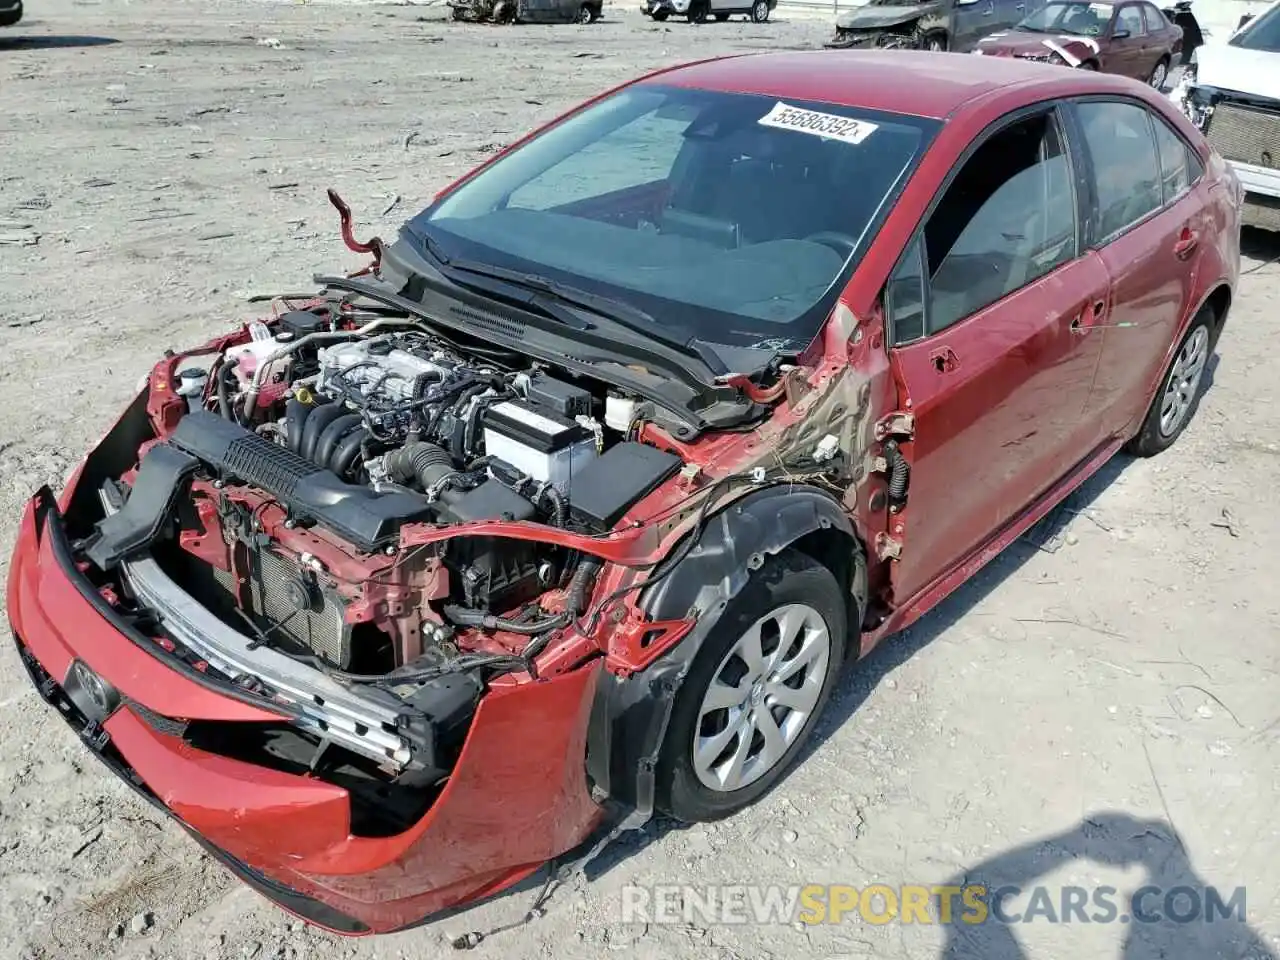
<point x="289" y="605"/>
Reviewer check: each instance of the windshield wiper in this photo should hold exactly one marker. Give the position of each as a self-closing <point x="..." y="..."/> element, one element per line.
<point x="609" y="308"/>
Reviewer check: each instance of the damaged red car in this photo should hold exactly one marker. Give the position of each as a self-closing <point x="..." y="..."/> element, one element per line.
<point x="568" y="506"/>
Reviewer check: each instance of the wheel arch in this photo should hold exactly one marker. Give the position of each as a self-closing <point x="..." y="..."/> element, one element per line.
<point x="1219" y="301"/>
<point x="630" y="714"/>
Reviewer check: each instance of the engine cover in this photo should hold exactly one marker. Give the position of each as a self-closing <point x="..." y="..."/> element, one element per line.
<point x="362" y="369"/>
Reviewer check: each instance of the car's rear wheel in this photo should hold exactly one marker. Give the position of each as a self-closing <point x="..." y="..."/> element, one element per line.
<point x="754" y="691"/>
<point x="661" y="15"/>
<point x="1176" y="401"/>
<point x="1159" y="74"/>
<point x="586" y="14"/>
<point x="760" y="11"/>
<point x="10" y="17"/>
<point x="698" y="11"/>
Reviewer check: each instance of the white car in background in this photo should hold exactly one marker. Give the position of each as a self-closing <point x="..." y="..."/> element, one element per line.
<point x="1231" y="91"/>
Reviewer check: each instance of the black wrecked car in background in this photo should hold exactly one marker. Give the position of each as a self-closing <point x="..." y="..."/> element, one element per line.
<point x="933" y="25"/>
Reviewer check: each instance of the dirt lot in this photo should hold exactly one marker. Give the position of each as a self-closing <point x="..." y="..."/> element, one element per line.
<point x="1068" y="712"/>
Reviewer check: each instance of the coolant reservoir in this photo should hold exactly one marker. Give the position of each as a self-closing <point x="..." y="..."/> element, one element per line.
<point x="251" y="355"/>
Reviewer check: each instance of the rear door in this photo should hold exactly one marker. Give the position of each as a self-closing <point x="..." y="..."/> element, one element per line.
<point x="991" y="355"/>
<point x="1149" y="213"/>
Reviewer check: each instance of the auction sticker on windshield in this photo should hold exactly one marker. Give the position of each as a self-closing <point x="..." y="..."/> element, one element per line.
<point x="826" y="125"/>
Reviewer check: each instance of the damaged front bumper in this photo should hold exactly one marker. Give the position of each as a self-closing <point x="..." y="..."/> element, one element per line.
<point x="517" y="796"/>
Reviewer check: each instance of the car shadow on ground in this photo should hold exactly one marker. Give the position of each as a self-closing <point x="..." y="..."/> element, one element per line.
<point x="1169" y="913"/>
<point x="21" y="42"/>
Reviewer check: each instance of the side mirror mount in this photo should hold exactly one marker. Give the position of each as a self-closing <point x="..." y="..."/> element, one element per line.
<point x="1120" y="34"/>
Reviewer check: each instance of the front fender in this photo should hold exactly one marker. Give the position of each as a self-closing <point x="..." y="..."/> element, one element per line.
<point x="630" y="714"/>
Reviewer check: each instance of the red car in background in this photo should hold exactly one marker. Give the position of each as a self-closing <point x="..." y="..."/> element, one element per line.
<point x="1133" y="39"/>
<point x="570" y="505"/>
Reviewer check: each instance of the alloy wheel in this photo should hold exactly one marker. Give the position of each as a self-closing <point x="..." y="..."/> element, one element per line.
<point x="1184" y="381"/>
<point x="1159" y="75"/>
<point x="760" y="697"/>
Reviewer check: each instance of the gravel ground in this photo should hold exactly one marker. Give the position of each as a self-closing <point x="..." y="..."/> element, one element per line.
<point x="1065" y="713"/>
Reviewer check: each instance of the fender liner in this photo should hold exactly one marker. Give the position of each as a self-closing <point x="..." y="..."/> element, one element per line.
<point x="630" y="714"/>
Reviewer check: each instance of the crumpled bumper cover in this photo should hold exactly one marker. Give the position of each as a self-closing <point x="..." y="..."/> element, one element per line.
<point x="517" y="797"/>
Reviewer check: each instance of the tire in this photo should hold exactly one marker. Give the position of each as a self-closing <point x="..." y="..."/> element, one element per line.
<point x="721" y="17"/>
<point x="1159" y="74"/>
<point x="586" y="14"/>
<point x="1088" y="65"/>
<point x="660" y="15"/>
<point x="790" y="584"/>
<point x="11" y="17"/>
<point x="760" y="11"/>
<point x="1178" y="397"/>
<point x="935" y="42"/>
<point x="698" y="11"/>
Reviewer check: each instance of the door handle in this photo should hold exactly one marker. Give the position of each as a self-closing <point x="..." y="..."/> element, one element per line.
<point x="1186" y="243"/>
<point x="1088" y="317"/>
<point x="944" y="359"/>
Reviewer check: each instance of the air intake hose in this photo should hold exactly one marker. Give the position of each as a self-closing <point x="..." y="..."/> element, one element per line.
<point x="421" y="461"/>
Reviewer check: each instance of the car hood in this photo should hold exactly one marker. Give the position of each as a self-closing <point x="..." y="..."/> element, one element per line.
<point x="873" y="16"/>
<point x="1255" y="72"/>
<point x="1018" y="43"/>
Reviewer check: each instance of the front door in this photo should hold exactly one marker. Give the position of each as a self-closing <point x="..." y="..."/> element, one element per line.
<point x="1151" y="212"/>
<point x="990" y="314"/>
<point x="1127" y="54"/>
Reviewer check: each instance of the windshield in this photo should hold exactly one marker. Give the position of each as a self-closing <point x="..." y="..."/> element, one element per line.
<point x="1260" y="33"/>
<point x="734" y="217"/>
<point x="1078" y="19"/>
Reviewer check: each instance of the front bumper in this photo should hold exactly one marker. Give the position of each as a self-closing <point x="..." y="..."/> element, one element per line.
<point x="516" y="798"/>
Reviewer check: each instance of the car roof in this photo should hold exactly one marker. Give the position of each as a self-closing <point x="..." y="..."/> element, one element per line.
<point x="919" y="83"/>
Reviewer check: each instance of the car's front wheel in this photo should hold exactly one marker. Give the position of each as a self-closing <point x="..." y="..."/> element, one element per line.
<point x="760" y="11"/>
<point x="754" y="690"/>
<point x="10" y="17"/>
<point x="698" y="11"/>
<point x="660" y="14"/>
<point x="1176" y="401"/>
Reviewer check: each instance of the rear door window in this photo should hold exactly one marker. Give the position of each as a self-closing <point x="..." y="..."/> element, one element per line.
<point x="1128" y="181"/>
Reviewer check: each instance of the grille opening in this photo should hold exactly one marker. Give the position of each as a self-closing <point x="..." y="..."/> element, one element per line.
<point x="379" y="806"/>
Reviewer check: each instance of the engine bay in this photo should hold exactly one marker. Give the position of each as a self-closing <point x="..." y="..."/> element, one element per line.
<point x="306" y="451"/>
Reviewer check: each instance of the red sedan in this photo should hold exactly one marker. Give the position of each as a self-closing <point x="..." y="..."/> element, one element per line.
<point x="1133" y="39"/>
<point x="573" y="501"/>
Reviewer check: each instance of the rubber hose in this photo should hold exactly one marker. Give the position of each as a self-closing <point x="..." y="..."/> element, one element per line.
<point x="899" y="472"/>
<point x="332" y="436"/>
<point x="295" y="417"/>
<point x="349" y="451"/>
<point x="421" y="461"/>
<point x="224" y="401"/>
<point x="320" y="418"/>
<point x="575" y="598"/>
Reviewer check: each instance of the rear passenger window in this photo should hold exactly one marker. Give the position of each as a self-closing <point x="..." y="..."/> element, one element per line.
<point x="1155" y="19"/>
<point x="1008" y="218"/>
<point x="1130" y="19"/>
<point x="1126" y="168"/>
<point x="1179" y="166"/>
